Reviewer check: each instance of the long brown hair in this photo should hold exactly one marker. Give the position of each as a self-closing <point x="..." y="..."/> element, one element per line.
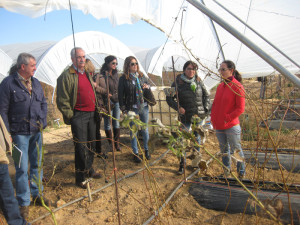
<point x="89" y="67"/>
<point x="236" y="74"/>
<point x="126" y="67"/>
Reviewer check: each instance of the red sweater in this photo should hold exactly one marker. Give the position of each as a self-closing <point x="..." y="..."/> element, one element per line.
<point x="85" y="94"/>
<point x="228" y="105"/>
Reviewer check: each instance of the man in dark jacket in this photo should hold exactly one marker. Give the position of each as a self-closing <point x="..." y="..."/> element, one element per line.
<point x="23" y="108"/>
<point x="76" y="100"/>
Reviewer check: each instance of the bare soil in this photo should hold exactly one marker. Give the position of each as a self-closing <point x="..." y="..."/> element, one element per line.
<point x="139" y="195"/>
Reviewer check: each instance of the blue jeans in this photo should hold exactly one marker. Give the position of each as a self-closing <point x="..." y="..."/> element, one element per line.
<point x="144" y="116"/>
<point x="28" y="145"/>
<point x="115" y="113"/>
<point x="187" y="127"/>
<point x="230" y="141"/>
<point x="8" y="202"/>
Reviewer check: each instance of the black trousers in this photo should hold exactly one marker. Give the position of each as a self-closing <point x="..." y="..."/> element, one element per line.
<point x="83" y="125"/>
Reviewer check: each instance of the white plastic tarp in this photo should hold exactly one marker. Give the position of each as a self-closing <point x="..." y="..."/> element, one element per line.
<point x="6" y="61"/>
<point x="154" y="60"/>
<point x="276" y="20"/>
<point x="57" y="58"/>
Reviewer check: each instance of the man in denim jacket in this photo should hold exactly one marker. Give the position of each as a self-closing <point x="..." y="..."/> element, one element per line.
<point x="23" y="108"/>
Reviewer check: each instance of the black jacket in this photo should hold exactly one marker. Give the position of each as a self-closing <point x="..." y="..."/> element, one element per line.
<point x="194" y="103"/>
<point x="127" y="92"/>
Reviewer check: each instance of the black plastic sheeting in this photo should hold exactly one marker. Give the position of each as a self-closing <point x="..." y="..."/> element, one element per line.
<point x="290" y="162"/>
<point x="216" y="196"/>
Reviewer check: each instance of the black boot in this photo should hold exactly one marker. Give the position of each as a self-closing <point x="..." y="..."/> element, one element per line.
<point x="148" y="156"/>
<point x="136" y="158"/>
<point x="109" y="139"/>
<point x="181" y="166"/>
<point x="117" y="139"/>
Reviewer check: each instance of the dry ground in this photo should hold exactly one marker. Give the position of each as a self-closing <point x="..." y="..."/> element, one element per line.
<point x="137" y="195"/>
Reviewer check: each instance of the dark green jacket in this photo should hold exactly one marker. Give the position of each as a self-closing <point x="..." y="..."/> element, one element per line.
<point x="66" y="97"/>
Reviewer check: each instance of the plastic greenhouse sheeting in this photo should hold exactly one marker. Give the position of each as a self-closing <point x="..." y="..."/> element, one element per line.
<point x="6" y="61"/>
<point x="276" y="20"/>
<point x="57" y="58"/>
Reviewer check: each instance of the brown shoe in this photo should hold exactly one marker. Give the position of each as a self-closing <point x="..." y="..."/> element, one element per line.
<point x="96" y="175"/>
<point x="38" y="201"/>
<point x="83" y="186"/>
<point x="24" y="210"/>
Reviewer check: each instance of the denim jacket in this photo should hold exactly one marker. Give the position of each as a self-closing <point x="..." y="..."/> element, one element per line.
<point x="21" y="112"/>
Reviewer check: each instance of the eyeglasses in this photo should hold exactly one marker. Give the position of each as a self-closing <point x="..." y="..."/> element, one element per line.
<point x="114" y="63"/>
<point x="223" y="69"/>
<point x="190" y="68"/>
<point x="133" y="64"/>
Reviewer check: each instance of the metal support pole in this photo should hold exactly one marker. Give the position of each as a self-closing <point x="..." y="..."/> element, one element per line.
<point x="246" y="41"/>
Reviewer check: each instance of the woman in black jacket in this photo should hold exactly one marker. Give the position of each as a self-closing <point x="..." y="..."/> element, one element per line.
<point x="131" y="86"/>
<point x="193" y="99"/>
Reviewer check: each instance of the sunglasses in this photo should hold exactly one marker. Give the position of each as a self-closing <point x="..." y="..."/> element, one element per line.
<point x="190" y="68"/>
<point x="133" y="64"/>
<point x="114" y="63"/>
<point x="223" y="69"/>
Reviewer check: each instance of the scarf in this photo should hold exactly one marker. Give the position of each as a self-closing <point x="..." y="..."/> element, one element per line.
<point x="139" y="93"/>
<point x="192" y="82"/>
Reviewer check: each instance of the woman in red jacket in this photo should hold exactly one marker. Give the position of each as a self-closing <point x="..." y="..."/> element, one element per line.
<point x="228" y="105"/>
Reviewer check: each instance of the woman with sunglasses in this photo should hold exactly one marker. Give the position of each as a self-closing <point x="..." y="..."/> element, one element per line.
<point x="131" y="86"/>
<point x="193" y="99"/>
<point x="109" y="73"/>
<point x="228" y="105"/>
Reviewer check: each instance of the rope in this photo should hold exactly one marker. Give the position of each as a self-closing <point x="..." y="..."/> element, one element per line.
<point x="237" y="59"/>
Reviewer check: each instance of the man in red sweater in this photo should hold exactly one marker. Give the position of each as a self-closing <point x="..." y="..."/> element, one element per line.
<point x="77" y="102"/>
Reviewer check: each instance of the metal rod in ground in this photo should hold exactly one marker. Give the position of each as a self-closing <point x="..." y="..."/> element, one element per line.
<point x="176" y="189"/>
<point x="100" y="189"/>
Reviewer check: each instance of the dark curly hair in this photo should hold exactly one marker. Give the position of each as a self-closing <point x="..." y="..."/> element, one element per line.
<point x="107" y="60"/>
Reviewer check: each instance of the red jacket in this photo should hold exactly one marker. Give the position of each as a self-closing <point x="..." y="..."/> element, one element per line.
<point x="228" y="105"/>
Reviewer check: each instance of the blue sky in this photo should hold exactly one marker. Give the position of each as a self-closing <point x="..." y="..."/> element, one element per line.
<point x="16" y="28"/>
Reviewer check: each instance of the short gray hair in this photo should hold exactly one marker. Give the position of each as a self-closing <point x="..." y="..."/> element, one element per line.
<point x="24" y="58"/>
<point x="73" y="51"/>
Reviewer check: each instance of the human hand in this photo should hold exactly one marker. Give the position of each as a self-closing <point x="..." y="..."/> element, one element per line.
<point x="146" y="86"/>
<point x="181" y="110"/>
<point x="123" y="109"/>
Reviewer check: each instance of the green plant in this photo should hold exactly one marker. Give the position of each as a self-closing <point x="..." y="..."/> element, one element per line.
<point x="38" y="180"/>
